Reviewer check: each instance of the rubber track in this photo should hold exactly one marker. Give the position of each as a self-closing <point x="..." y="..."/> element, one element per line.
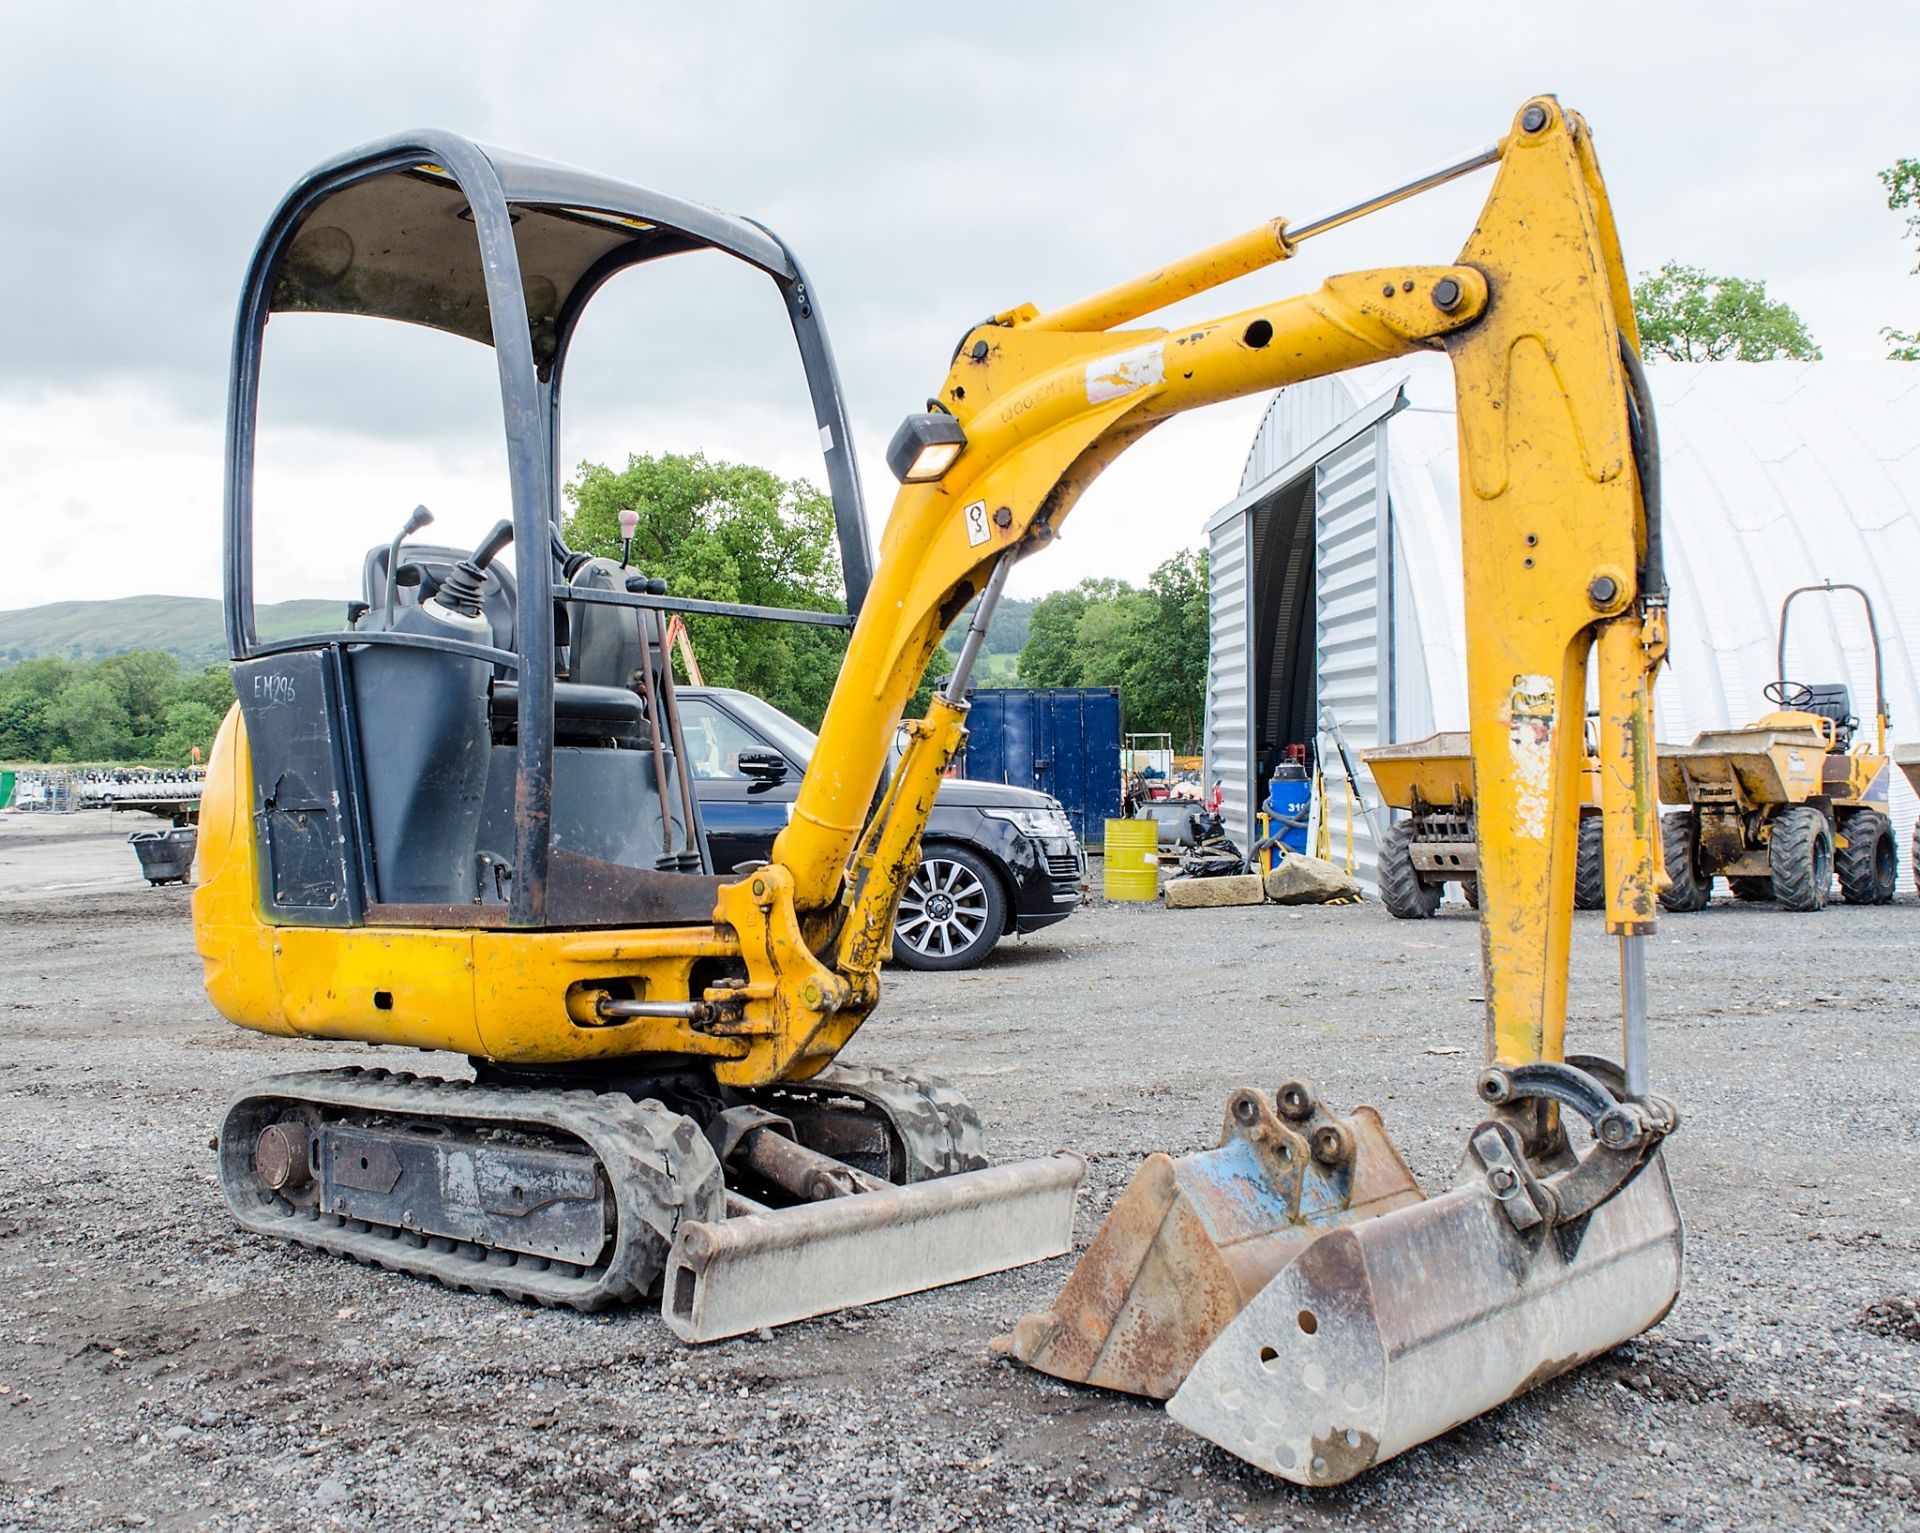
<point x="934" y="1122"/>
<point x="1590" y="866"/>
<point x="1854" y="862"/>
<point x="1795" y="831"/>
<point x="659" y="1166"/>
<point x="1401" y="889"/>
<point x="1686" y="890"/>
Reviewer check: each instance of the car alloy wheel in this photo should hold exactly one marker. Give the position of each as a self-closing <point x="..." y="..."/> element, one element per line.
<point x="946" y="911"/>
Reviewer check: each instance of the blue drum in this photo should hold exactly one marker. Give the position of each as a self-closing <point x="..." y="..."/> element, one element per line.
<point x="1290" y="802"/>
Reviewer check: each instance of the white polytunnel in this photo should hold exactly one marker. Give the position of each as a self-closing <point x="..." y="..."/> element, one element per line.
<point x="1336" y="570"/>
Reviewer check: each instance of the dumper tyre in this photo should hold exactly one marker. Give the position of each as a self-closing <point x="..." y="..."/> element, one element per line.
<point x="1801" y="855"/>
<point x="1752" y="887"/>
<point x="1868" y="863"/>
<point x="1686" y="890"/>
<point x="1590" y="867"/>
<point x="1402" y="890"/>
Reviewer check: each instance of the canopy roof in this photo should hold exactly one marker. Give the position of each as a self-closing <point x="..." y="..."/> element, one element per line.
<point x="401" y="244"/>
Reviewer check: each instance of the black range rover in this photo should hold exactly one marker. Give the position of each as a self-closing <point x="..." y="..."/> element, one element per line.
<point x="994" y="859"/>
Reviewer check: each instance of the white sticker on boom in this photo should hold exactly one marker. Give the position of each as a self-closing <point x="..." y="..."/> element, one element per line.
<point x="977" y="529"/>
<point x="826" y="439"/>
<point x="1125" y="372"/>
<point x="1530" y="740"/>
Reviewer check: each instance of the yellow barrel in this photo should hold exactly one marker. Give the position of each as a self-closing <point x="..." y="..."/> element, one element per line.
<point x="1133" y="860"/>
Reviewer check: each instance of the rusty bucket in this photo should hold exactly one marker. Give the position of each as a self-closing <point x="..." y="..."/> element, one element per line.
<point x="1195" y="1237"/>
<point x="1391" y="1331"/>
<point x="1297" y="1300"/>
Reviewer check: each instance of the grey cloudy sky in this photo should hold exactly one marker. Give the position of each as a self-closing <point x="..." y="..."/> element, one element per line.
<point x="930" y="168"/>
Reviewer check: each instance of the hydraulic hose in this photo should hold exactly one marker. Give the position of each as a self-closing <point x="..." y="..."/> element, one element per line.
<point x="1646" y="462"/>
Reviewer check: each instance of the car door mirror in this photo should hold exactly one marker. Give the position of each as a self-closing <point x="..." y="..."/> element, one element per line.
<point x="762" y="766"/>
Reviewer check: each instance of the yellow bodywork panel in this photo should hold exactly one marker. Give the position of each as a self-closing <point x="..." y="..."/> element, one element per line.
<point x="518" y="996"/>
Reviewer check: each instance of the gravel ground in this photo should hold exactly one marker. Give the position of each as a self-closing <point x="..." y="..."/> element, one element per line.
<point x="159" y="1369"/>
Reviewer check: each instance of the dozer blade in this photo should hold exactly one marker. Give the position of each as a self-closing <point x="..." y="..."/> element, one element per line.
<point x="1192" y="1239"/>
<point x="768" y="1268"/>
<point x="1390" y="1331"/>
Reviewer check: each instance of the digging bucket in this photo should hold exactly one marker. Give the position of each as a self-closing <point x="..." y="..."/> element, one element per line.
<point x="1195" y="1237"/>
<point x="1389" y="1331"/>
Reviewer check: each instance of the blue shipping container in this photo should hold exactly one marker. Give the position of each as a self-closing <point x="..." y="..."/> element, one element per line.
<point x="1060" y="740"/>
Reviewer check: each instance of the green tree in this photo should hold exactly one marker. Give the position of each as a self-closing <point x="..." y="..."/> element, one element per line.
<point x="212" y="687"/>
<point x="89" y="723"/>
<point x="1166" y="687"/>
<point x="1060" y="651"/>
<point x="729" y="532"/>
<point x="1112" y="638"/>
<point x="134" y="706"/>
<point x="1688" y="316"/>
<point x="1902" y="181"/>
<point x="44" y="677"/>
<point x="190" y="726"/>
<point x="1151" y="644"/>
<point x="1051" y="657"/>
<point x="144" y="681"/>
<point x="25" y="734"/>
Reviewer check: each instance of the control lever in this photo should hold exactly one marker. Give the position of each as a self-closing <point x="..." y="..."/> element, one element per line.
<point x="460" y="592"/>
<point x="629" y="522"/>
<point x="419" y="518"/>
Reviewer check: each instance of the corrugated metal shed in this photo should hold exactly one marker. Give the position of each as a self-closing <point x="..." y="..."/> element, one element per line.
<point x="1776" y="474"/>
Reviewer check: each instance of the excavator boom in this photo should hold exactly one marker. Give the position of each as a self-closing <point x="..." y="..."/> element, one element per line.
<point x="1559" y="563"/>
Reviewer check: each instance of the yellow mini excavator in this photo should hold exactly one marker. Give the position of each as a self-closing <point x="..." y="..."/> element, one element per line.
<point x="463" y="824"/>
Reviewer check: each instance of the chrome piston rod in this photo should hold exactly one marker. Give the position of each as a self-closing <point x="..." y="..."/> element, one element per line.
<point x="1633" y="1015"/>
<point x="1327" y="222"/>
<point x="955" y="688"/>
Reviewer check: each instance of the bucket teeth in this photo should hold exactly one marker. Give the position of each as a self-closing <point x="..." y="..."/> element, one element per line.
<point x="1194" y="1237"/>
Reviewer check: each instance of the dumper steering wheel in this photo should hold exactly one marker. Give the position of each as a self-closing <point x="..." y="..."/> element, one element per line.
<point x="1789" y="694"/>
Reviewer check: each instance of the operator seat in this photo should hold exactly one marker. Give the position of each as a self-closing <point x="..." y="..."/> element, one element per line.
<point x="1833" y="701"/>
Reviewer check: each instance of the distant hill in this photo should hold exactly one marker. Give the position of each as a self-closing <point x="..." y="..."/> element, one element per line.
<point x="186" y="627"/>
